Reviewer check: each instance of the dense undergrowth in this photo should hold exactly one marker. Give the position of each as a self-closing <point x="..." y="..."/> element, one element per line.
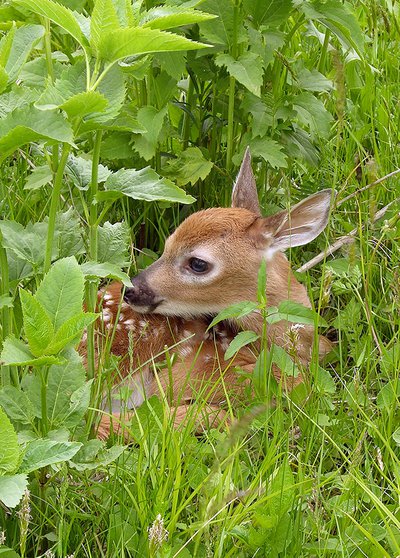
<point x="112" y="130"/>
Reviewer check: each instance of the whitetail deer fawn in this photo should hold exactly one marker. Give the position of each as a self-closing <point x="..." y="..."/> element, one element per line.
<point x="210" y="262"/>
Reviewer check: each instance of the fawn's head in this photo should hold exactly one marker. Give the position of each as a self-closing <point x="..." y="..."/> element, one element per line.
<point x="213" y="257"/>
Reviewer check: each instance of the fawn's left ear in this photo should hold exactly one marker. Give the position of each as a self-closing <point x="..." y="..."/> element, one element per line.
<point x="304" y="222"/>
<point x="244" y="193"/>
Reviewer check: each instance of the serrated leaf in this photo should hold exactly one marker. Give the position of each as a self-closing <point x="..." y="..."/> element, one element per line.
<point x="12" y="488"/>
<point x="247" y="69"/>
<point x="237" y="310"/>
<point x="152" y="120"/>
<point x="41" y="453"/>
<point x="25" y="243"/>
<point x="112" y="87"/>
<point x="68" y="238"/>
<point x="189" y="167"/>
<point x="16" y="404"/>
<point x="25" y="38"/>
<point x="113" y="244"/>
<point x="6" y="301"/>
<point x="222" y="29"/>
<point x="16" y="98"/>
<point x="270" y="151"/>
<point x="167" y="17"/>
<point x="104" y="19"/>
<point x="324" y="382"/>
<point x="311" y="80"/>
<point x="144" y="184"/>
<point x="241" y="340"/>
<point x="57" y="13"/>
<point x="38" y="328"/>
<point x="16" y="352"/>
<point x="29" y="124"/>
<point x="69" y="331"/>
<point x="312" y="112"/>
<point x="80" y="170"/>
<point x="61" y="291"/>
<point x="40" y="176"/>
<point x="270" y="13"/>
<point x="84" y="103"/>
<point x="119" y="44"/>
<point x="96" y="269"/>
<point x="9" y="448"/>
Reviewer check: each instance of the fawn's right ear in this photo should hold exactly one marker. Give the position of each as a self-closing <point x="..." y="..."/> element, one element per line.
<point x="304" y="222"/>
<point x="244" y="193"/>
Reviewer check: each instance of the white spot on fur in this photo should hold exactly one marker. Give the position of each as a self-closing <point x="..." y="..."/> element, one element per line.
<point x="107" y="315"/>
<point x="107" y="296"/>
<point x="130" y="322"/>
<point x="121" y="317"/>
<point x="186" y="350"/>
<point x="143" y="323"/>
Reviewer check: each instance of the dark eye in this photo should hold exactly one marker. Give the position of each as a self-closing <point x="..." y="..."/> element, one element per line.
<point x="197" y="265"/>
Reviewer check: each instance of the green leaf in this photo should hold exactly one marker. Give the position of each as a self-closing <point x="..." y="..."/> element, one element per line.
<point x="57" y="13"/>
<point x="40" y="176"/>
<point x="71" y="330"/>
<point x="189" y="167"/>
<point x="270" y="13"/>
<point x="113" y="244"/>
<point x="221" y="30"/>
<point x="284" y="362"/>
<point x="9" y="448"/>
<point x="84" y="103"/>
<point x="29" y="124"/>
<point x="312" y="113"/>
<point x="324" y="382"/>
<point x="270" y="151"/>
<point x="247" y="69"/>
<point x="80" y="170"/>
<point x="15" y="352"/>
<point x="237" y="310"/>
<point x="16" y="404"/>
<point x="112" y="87"/>
<point x="152" y="120"/>
<point x="388" y="397"/>
<point x="298" y="313"/>
<point x="80" y="401"/>
<point x="121" y="43"/>
<point x="144" y="184"/>
<point x="25" y="38"/>
<point x="241" y="340"/>
<point x="281" y="490"/>
<point x="40" y="453"/>
<point x="12" y="489"/>
<point x="93" y="456"/>
<point x="37" y="324"/>
<point x="166" y="17"/>
<point x="96" y="269"/>
<point x="396" y="436"/>
<point x="16" y="98"/>
<point x="61" y="291"/>
<point x="104" y="19"/>
<point x="69" y="234"/>
<point x="3" y="79"/>
<point x="311" y="80"/>
<point x="6" y="301"/>
<point x="25" y="243"/>
<point x="339" y="18"/>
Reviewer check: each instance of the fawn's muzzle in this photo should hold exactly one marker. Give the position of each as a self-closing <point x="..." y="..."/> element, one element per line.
<point x="140" y="296"/>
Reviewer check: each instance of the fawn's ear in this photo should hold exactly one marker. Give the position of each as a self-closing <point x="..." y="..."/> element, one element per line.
<point x="304" y="222"/>
<point x="244" y="193"/>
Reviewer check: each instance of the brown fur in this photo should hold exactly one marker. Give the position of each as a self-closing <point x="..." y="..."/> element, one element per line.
<point x="234" y="241"/>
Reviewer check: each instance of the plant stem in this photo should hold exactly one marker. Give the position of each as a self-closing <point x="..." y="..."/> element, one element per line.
<point x="5" y="312"/>
<point x="44" y="374"/>
<point x="54" y="205"/>
<point x="91" y="296"/>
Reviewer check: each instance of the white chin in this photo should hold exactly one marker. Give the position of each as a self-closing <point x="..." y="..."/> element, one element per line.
<point x="184" y="310"/>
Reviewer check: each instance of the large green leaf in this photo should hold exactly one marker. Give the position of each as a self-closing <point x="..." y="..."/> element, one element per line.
<point x="80" y="170"/>
<point x="297" y="313"/>
<point x="247" y="69"/>
<point x="69" y="331"/>
<point x="152" y="120"/>
<point x="25" y="38"/>
<point x="12" y="488"/>
<point x="29" y="124"/>
<point x="241" y="340"/>
<point x="143" y="184"/>
<point x="167" y="17"/>
<point x="121" y="43"/>
<point x="189" y="167"/>
<point x="57" y="13"/>
<point x="113" y="244"/>
<point x="61" y="291"/>
<point x="9" y="448"/>
<point x="269" y="13"/>
<point x="16" y="352"/>
<point x="37" y="324"/>
<point x="104" y="19"/>
<point x="270" y="151"/>
<point x="221" y="30"/>
<point x="16" y="404"/>
<point x="96" y="269"/>
<point x="40" y="453"/>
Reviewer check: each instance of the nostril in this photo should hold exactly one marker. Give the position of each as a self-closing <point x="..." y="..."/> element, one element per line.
<point x="129" y="293"/>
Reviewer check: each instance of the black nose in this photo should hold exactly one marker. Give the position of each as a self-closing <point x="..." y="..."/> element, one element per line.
<point x="140" y="294"/>
<point x="130" y="294"/>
